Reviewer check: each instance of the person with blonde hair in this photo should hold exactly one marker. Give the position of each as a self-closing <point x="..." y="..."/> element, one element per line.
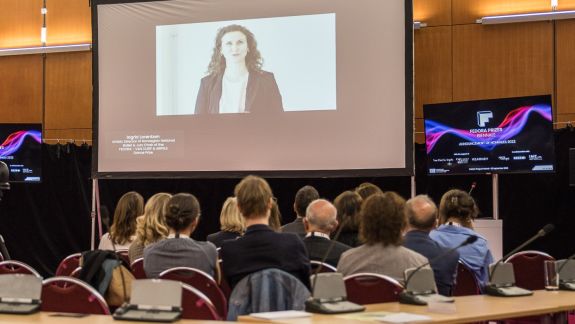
<point x="231" y="223"/>
<point x="123" y="229"/>
<point x="150" y="227"/>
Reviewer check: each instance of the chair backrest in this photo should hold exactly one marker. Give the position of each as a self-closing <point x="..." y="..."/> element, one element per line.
<point x="465" y="282"/>
<point x="224" y="286"/>
<point x="124" y="255"/>
<point x="76" y="273"/>
<point x="68" y="264"/>
<point x="528" y="269"/>
<point x="267" y="291"/>
<point x="13" y="266"/>
<point x="71" y="295"/>
<point x="325" y="267"/>
<point x="201" y="281"/>
<point x="371" y="288"/>
<point x="137" y="268"/>
<point x="196" y="305"/>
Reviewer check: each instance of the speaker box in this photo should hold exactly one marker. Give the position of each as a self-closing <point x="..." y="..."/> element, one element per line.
<point x="572" y="167"/>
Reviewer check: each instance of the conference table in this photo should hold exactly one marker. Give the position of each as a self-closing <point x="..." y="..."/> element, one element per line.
<point x="467" y="309"/>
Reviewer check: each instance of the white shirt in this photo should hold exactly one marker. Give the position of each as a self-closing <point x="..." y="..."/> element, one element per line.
<point x="106" y="243"/>
<point x="318" y="234"/>
<point x="233" y="99"/>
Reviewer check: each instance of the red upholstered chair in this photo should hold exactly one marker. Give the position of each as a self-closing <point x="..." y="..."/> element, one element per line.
<point x="69" y="264"/>
<point x="528" y="269"/>
<point x="137" y="268"/>
<point x="465" y="283"/>
<point x="196" y="305"/>
<point x="201" y="281"/>
<point x="371" y="288"/>
<point x="13" y="266"/>
<point x="324" y="267"/>
<point x="71" y="295"/>
<point x="76" y="273"/>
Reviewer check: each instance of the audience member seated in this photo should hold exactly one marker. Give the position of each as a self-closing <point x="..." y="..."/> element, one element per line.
<point x="382" y="223"/>
<point x="304" y="196"/>
<point x="348" y="205"/>
<point x="123" y="230"/>
<point x="151" y="227"/>
<point x="261" y="248"/>
<point x="421" y="214"/>
<point x="457" y="210"/>
<point x="231" y="223"/>
<point x="367" y="189"/>
<point x="320" y="221"/>
<point x="179" y="249"/>
<point x="275" y="222"/>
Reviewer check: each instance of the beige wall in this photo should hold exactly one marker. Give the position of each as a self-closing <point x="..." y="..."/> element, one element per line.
<point x="455" y="59"/>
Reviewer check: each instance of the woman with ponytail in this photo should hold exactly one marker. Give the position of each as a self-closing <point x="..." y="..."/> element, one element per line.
<point x="179" y="249"/>
<point x="457" y="210"/>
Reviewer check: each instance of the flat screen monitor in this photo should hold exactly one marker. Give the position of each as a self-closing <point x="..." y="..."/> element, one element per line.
<point x="511" y="135"/>
<point x="21" y="150"/>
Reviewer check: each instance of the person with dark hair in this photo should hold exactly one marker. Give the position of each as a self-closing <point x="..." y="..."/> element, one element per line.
<point x="320" y="221"/>
<point x="421" y="215"/>
<point x="348" y="205"/>
<point x="457" y="210"/>
<point x="304" y="196"/>
<point x="261" y="248"/>
<point x="366" y="189"/>
<point x="381" y="226"/>
<point x="123" y="230"/>
<point x="236" y="82"/>
<point x="179" y="249"/>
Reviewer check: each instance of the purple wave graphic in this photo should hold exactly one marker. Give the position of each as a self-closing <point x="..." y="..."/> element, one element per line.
<point x="14" y="141"/>
<point x="512" y="125"/>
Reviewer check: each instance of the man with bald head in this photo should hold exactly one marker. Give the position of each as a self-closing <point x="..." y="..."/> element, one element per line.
<point x="421" y="213"/>
<point x="320" y="221"/>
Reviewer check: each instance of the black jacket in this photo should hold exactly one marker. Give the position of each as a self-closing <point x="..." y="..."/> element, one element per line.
<point x="317" y="247"/>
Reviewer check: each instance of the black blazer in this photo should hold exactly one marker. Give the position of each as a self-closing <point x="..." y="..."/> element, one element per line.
<point x="317" y="247"/>
<point x="221" y="236"/>
<point x="444" y="269"/>
<point x="261" y="248"/>
<point x="262" y="94"/>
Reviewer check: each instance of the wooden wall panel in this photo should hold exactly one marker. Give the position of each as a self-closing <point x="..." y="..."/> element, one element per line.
<point x="20" y="23"/>
<point x="565" y="47"/>
<point x="502" y="60"/>
<point x="68" y="91"/>
<point x="419" y="135"/>
<point x="566" y="5"/>
<point x="432" y="12"/>
<point x="468" y="11"/>
<point x="68" y="22"/>
<point x="21" y="89"/>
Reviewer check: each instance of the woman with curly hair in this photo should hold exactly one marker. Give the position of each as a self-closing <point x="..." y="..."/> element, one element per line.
<point x="382" y="221"/>
<point x="123" y="230"/>
<point x="151" y="227"/>
<point x="457" y="210"/>
<point x="235" y="82"/>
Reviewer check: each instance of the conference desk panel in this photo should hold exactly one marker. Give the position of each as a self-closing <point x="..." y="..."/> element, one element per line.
<point x="49" y="318"/>
<point x="467" y="309"/>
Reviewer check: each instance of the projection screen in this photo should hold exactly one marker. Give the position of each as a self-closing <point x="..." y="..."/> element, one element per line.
<point x="224" y="88"/>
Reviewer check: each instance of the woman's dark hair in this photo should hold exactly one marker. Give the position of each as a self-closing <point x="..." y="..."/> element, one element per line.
<point x="367" y="189"/>
<point x="459" y="205"/>
<point x="254" y="60"/>
<point x="181" y="210"/>
<point x="130" y="206"/>
<point x="348" y="205"/>
<point x="382" y="219"/>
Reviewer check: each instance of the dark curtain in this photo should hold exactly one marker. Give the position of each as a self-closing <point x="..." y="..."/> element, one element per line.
<point x="43" y="223"/>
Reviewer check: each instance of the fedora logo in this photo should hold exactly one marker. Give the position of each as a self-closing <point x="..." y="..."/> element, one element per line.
<point x="483" y="117"/>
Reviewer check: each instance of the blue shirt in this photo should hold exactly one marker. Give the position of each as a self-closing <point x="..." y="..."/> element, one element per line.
<point x="476" y="255"/>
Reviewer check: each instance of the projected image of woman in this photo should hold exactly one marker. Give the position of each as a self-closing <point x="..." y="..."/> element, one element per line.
<point x="235" y="82"/>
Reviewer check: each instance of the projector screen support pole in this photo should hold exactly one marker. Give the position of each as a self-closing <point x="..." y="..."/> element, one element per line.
<point x="495" y="187"/>
<point x="93" y="215"/>
<point x="413" y="191"/>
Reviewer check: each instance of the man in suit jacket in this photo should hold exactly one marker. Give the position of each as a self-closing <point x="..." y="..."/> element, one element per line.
<point x="320" y="220"/>
<point x="421" y="214"/>
<point x="304" y="196"/>
<point x="261" y="248"/>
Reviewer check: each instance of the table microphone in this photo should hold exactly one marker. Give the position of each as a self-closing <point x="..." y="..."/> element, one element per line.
<point x="542" y="232"/>
<point x="407" y="297"/>
<point x="473" y="185"/>
<point x="3" y="249"/>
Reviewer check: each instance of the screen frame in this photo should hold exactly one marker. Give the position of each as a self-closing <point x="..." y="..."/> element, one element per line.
<point x="548" y="98"/>
<point x="408" y="170"/>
